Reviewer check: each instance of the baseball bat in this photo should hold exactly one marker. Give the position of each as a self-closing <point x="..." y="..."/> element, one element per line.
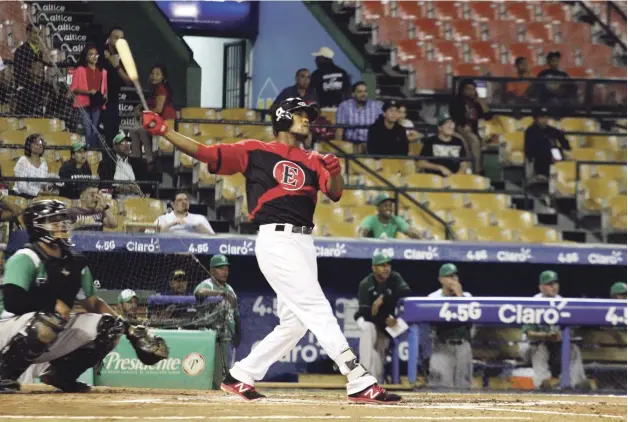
<point x="129" y="66"/>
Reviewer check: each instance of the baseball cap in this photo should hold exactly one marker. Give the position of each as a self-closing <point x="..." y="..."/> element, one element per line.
<point x="381" y="198"/>
<point x="78" y="146"/>
<point x="126" y="295"/>
<point x="389" y="104"/>
<point x="178" y="273"/>
<point x="548" y="277"/>
<point x="379" y="259"/>
<point x="119" y="138"/>
<point x="618" y="288"/>
<point x="447" y="269"/>
<point x="218" y="261"/>
<point x="443" y="118"/>
<point x="324" y="52"/>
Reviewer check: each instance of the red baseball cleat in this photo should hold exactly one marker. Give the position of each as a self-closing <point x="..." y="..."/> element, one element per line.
<point x="375" y="394"/>
<point x="233" y="386"/>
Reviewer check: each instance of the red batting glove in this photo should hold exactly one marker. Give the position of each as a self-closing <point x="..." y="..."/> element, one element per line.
<point x="332" y="164"/>
<point x="154" y="123"/>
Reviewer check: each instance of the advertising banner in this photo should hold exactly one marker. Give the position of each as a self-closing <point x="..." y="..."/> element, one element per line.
<point x="190" y="364"/>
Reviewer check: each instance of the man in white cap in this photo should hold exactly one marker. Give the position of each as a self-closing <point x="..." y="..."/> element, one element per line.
<point x="331" y="82"/>
<point x="128" y="303"/>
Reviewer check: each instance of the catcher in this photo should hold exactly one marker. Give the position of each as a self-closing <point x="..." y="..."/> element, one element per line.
<point x="42" y="282"/>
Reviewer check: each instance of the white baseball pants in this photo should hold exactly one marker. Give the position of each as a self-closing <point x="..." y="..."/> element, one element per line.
<point x="288" y="261"/>
<point x="373" y="346"/>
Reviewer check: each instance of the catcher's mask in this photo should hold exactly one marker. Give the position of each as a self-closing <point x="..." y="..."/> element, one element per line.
<point x="282" y="113"/>
<point x="48" y="221"/>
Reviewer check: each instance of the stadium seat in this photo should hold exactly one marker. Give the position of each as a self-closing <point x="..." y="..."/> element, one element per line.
<point x="415" y="148"/>
<point x="183" y="161"/>
<point x="441" y="200"/>
<point x="391" y="29"/>
<point x="427" y="29"/>
<point x="358" y="212"/>
<point x="588" y="154"/>
<point x="9" y="123"/>
<point x="420" y="220"/>
<point x="430" y="76"/>
<point x="610" y="172"/>
<point x="518" y="11"/>
<point x="228" y="187"/>
<point x="463" y="234"/>
<point x="576" y="124"/>
<point x="554" y="12"/>
<point x="520" y="50"/>
<point x="594" y="193"/>
<point x="575" y="33"/>
<point x="602" y="142"/>
<point x="217" y="130"/>
<point x="142" y="210"/>
<point x="539" y="234"/>
<point x="563" y="177"/>
<point x="393" y="166"/>
<point x="187" y="129"/>
<point x="463" y="30"/>
<point x="444" y="50"/>
<point x="42" y="125"/>
<point x="481" y="10"/>
<point x="469" y="69"/>
<point x="239" y="114"/>
<point x="62" y="139"/>
<point x="615" y="213"/>
<point x="502" y="31"/>
<point x="511" y="150"/>
<point x="486" y="201"/>
<point x="332" y="229"/>
<point x="425" y="180"/>
<point x="202" y="177"/>
<point x="331" y="213"/>
<point x="467" y="182"/>
<point x="13" y="137"/>
<point x="198" y="113"/>
<point x="345" y="146"/>
<point x="514" y="219"/>
<point x="262" y="133"/>
<point x="483" y="52"/>
<point x="491" y="234"/>
<point x="368" y="11"/>
<point x="352" y="198"/>
<point x="620" y="155"/>
<point x="469" y="218"/>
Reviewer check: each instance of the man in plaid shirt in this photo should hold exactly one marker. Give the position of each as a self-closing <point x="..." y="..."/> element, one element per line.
<point x="357" y="111"/>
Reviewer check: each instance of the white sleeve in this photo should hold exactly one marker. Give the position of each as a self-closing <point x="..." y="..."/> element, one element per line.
<point x="21" y="170"/>
<point x="208" y="226"/>
<point x="467" y="294"/>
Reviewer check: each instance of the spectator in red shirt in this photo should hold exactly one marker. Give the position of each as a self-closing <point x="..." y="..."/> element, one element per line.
<point x="89" y="85"/>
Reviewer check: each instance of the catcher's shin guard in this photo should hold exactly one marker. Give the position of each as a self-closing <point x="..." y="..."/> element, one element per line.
<point x="63" y="371"/>
<point x="29" y="344"/>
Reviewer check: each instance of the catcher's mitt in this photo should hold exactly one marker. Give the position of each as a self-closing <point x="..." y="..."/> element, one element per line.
<point x="149" y="349"/>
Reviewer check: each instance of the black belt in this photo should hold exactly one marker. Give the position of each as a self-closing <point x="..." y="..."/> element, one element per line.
<point x="295" y="229"/>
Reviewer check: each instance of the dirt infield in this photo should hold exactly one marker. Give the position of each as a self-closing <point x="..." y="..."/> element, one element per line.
<point x="116" y="404"/>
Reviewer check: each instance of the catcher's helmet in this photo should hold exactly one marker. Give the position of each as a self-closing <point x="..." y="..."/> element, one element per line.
<point x="282" y="113"/>
<point x="48" y="221"/>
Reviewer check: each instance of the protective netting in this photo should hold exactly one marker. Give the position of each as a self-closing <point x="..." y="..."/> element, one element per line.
<point x="42" y="44"/>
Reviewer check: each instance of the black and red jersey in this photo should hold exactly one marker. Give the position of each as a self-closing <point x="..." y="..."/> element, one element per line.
<point x="282" y="182"/>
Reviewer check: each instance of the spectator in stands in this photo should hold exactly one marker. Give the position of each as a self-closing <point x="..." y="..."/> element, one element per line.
<point x="451" y="363"/>
<point x="33" y="165"/>
<point x="466" y="110"/>
<point x="378" y="295"/>
<point x="330" y="82"/>
<point x="93" y="212"/>
<point x="35" y="96"/>
<point x="223" y="317"/>
<point x="357" y="111"/>
<point x="8" y="209"/>
<point x="76" y="168"/>
<point x="30" y="51"/>
<point x="407" y="124"/>
<point x="128" y="304"/>
<point x="553" y="93"/>
<point x="178" y="285"/>
<point x="386" y="136"/>
<point x="89" y="85"/>
<point x="618" y="291"/>
<point x="116" y="79"/>
<point x="520" y="91"/>
<point x="124" y="167"/>
<point x="442" y="152"/>
<point x="544" y="145"/>
<point x="545" y="342"/>
<point x="4" y="84"/>
<point x="384" y="224"/>
<point x="182" y="221"/>
<point x="302" y="89"/>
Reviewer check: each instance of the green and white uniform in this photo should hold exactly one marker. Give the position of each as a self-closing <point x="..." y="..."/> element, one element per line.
<point x="47" y="279"/>
<point x="451" y="362"/>
<point x="379" y="230"/>
<point x="220" y="317"/>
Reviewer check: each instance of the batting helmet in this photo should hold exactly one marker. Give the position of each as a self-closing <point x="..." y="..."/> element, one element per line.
<point x="282" y="113"/>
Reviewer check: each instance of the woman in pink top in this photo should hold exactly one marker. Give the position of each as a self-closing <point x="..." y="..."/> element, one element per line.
<point x="89" y="85"/>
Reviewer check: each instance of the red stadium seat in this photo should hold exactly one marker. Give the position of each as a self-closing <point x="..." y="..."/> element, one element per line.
<point x="505" y="32"/>
<point x="468" y="69"/>
<point x="553" y="12"/>
<point x="614" y="72"/>
<point x="596" y="56"/>
<point x="501" y="69"/>
<point x="445" y="50"/>
<point x="369" y="11"/>
<point x="574" y="33"/>
<point x="430" y="75"/>
<point x="427" y="29"/>
<point x="520" y="11"/>
<point x="410" y="10"/>
<point x="482" y="10"/>
<point x="538" y="32"/>
<point x="407" y="51"/>
<point x="483" y="52"/>
<point x="464" y="30"/>
<point x="390" y="30"/>
<point x="445" y="10"/>
<point x="579" y="72"/>
<point x="522" y="50"/>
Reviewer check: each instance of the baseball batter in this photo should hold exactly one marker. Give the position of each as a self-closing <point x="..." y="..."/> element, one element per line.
<point x="41" y="284"/>
<point x="282" y="183"/>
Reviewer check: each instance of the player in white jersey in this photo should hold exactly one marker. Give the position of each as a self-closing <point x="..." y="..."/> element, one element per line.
<point x="282" y="184"/>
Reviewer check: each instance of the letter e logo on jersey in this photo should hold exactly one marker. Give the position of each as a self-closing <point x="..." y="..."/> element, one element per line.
<point x="289" y="175"/>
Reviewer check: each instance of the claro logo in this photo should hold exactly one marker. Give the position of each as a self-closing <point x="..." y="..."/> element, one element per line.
<point x="605" y="259"/>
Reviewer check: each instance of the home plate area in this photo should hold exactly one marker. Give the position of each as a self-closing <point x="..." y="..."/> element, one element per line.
<point x="40" y="403"/>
